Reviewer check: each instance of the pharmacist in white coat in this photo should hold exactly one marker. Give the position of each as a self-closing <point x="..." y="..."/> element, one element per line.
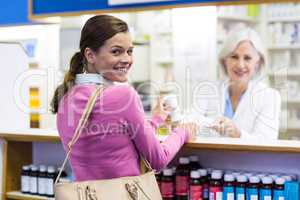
<point x="241" y="106"/>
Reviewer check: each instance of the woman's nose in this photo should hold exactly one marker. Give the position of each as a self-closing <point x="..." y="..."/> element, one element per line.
<point x="126" y="58"/>
<point x="241" y="63"/>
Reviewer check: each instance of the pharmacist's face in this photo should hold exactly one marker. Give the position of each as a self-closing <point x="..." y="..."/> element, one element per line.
<point x="243" y="63"/>
<point x="114" y="59"/>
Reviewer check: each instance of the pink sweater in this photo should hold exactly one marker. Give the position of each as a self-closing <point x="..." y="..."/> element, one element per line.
<point x="116" y="133"/>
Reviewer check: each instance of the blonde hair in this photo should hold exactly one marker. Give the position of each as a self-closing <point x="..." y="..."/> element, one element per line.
<point x="233" y="41"/>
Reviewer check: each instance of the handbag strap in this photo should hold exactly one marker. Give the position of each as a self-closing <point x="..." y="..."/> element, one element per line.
<point x="82" y="122"/>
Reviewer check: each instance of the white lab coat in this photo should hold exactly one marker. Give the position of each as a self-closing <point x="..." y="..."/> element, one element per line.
<point x="257" y="114"/>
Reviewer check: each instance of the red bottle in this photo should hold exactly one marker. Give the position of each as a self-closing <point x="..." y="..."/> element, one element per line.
<point x="167" y="185"/>
<point x="196" y="187"/>
<point x="182" y="179"/>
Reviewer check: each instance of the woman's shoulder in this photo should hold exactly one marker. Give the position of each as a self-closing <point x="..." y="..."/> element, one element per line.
<point x="264" y="92"/>
<point x="263" y="87"/>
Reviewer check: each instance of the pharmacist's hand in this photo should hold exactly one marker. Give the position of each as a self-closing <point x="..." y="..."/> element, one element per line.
<point x="161" y="109"/>
<point x="191" y="128"/>
<point x="224" y="125"/>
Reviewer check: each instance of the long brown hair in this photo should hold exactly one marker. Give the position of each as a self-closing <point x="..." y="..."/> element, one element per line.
<point x="94" y="33"/>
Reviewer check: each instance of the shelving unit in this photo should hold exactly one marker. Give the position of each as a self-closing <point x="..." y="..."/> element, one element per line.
<point x="284" y="67"/>
<point x="18" y="152"/>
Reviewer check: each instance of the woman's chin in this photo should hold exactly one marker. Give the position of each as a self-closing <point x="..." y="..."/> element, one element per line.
<point x="116" y="78"/>
<point x="243" y="80"/>
<point x="120" y="79"/>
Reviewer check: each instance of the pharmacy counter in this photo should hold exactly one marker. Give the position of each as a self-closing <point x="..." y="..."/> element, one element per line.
<point x="227" y="153"/>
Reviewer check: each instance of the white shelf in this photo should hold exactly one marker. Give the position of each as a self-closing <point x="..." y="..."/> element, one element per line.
<point x="21" y="196"/>
<point x="283" y="19"/>
<point x="288" y="72"/>
<point x="165" y="61"/>
<point x="284" y="47"/>
<point x="235" y="18"/>
<point x="292" y="101"/>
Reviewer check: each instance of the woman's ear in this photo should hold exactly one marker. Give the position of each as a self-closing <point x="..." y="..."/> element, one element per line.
<point x="90" y="55"/>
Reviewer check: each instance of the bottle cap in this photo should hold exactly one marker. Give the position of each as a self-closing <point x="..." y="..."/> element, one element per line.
<point x="274" y="176"/>
<point x="203" y="172"/>
<point x="236" y="174"/>
<point x="184" y="160"/>
<point x="254" y="179"/>
<point x="218" y="170"/>
<point x="216" y="175"/>
<point x="248" y="174"/>
<point x="168" y="172"/>
<point x="267" y="180"/>
<point x="287" y="178"/>
<point x="171" y="100"/>
<point x="261" y="175"/>
<point x="51" y="169"/>
<point x="209" y="170"/>
<point x="228" y="178"/>
<point x="294" y="177"/>
<point x="194" y="158"/>
<point x="34" y="168"/>
<point x="280" y="181"/>
<point x="26" y="167"/>
<point x="242" y="179"/>
<point x="43" y="168"/>
<point x="195" y="174"/>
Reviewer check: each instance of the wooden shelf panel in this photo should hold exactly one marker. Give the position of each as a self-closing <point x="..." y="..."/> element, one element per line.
<point x="31" y="135"/>
<point x="21" y="196"/>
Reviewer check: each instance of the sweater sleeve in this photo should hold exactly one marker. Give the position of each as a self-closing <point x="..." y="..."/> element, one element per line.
<point x="143" y="134"/>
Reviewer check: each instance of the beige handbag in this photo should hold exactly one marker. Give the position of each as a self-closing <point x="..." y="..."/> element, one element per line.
<point x="143" y="187"/>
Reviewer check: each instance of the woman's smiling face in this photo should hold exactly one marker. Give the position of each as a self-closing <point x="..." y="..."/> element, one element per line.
<point x="243" y="63"/>
<point x="114" y="59"/>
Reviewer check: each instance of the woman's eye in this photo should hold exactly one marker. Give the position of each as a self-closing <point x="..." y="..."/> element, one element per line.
<point x="116" y="51"/>
<point x="130" y="52"/>
<point x="248" y="58"/>
<point x="234" y="57"/>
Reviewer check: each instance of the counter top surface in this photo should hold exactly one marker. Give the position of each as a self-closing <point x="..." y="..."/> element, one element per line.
<point x="51" y="135"/>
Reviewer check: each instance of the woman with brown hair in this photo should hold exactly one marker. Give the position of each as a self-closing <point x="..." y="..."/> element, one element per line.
<point x="116" y="134"/>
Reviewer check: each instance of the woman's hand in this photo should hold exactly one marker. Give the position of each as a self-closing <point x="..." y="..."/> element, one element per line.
<point x="191" y="128"/>
<point x="161" y="109"/>
<point x="224" y="125"/>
